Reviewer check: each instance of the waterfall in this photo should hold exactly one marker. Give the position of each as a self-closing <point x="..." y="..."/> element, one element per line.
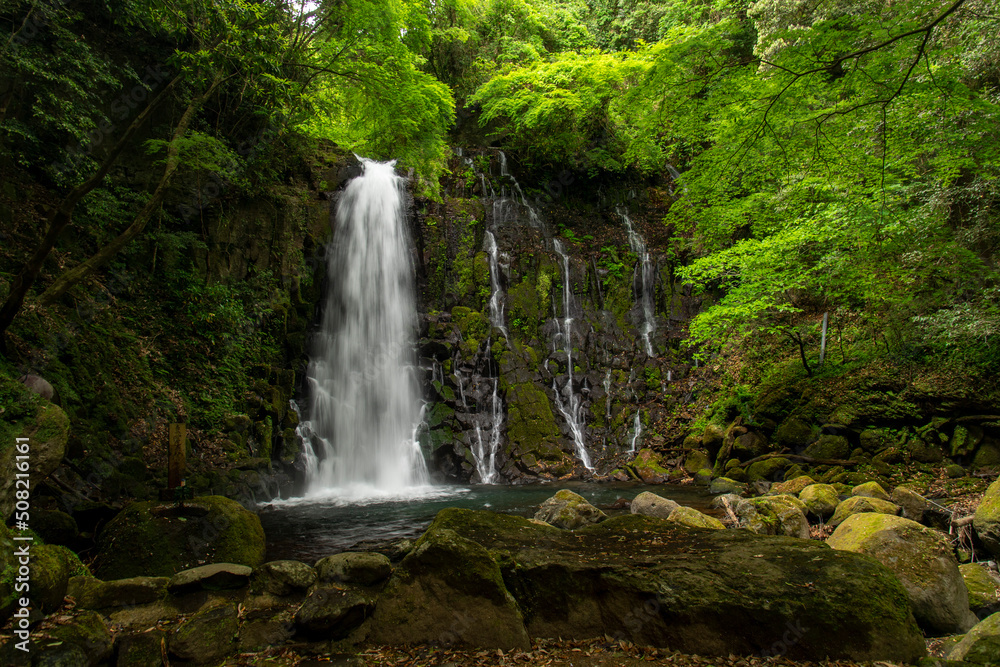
<point x="365" y="402"/>
<point x="505" y="207"/>
<point x="483" y="455"/>
<point x="636" y="432"/>
<point x="496" y="292"/>
<point x="567" y="401"/>
<point x="638" y="245"/>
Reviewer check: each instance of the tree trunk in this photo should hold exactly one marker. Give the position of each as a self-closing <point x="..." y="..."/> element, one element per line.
<point x="62" y="216"/>
<point x="70" y="278"/>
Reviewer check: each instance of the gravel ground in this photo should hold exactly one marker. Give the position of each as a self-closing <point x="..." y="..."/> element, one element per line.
<point x="543" y="652"/>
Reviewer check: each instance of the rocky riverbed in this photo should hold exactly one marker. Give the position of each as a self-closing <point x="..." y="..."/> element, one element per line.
<point x="661" y="584"/>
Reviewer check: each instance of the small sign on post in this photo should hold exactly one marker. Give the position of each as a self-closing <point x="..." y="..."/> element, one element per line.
<point x="176" y="455"/>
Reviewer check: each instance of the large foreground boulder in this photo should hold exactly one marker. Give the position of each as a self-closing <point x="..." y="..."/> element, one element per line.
<point x="154" y="539"/>
<point x="493" y="580"/>
<point x="450" y="590"/>
<point x="923" y="561"/>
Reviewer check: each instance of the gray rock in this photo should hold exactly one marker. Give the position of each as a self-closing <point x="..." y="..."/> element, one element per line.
<point x="860" y="505"/>
<point x="987" y="519"/>
<point x="981" y="645"/>
<point x="366" y="569"/>
<point x="208" y="636"/>
<point x="774" y="515"/>
<point x="820" y="500"/>
<point x="39" y="385"/>
<point x="721" y="485"/>
<point x="568" y="510"/>
<point x="332" y="613"/>
<point x="922" y="559"/>
<point x="266" y="627"/>
<point x="91" y="593"/>
<point x="283" y="577"/>
<point x="650" y="504"/>
<point x="870" y="490"/>
<point x="911" y="504"/>
<point x="450" y="590"/>
<point x="141" y="648"/>
<point x="214" y="577"/>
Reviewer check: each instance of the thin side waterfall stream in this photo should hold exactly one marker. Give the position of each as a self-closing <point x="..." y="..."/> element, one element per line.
<point x="645" y="270"/>
<point x="568" y="401"/>
<point x="365" y="405"/>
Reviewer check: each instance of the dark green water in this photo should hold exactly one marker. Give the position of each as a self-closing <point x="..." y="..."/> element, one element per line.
<point x="307" y="529"/>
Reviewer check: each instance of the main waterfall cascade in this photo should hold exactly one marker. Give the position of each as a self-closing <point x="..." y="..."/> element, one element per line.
<point x="365" y="401"/>
<point x="516" y="339"/>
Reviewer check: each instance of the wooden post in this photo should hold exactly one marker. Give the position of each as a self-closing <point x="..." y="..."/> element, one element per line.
<point x="175" y="455"/>
<point x="822" y="343"/>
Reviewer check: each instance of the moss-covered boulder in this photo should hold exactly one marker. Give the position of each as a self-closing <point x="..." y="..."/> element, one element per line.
<point x="692" y="518"/>
<point x="821" y="500"/>
<point x="450" y="590"/>
<point x="794" y="432"/>
<point x="769" y="470"/>
<point x="774" y="515"/>
<point x="791" y="487"/>
<point x="51" y="568"/>
<point x="207" y="637"/>
<point x="870" y="490"/>
<point x="568" y="510"/>
<point x="712" y="592"/>
<point x="695" y="460"/>
<point x="92" y="593"/>
<point x="82" y="639"/>
<point x="983" y="587"/>
<point x="153" y="539"/>
<point x="47" y="431"/>
<point x="829" y="447"/>
<point x="860" y="505"/>
<point x="362" y="568"/>
<point x="723" y="485"/>
<point x="650" y="504"/>
<point x="211" y="577"/>
<point x="981" y="645"/>
<point x="987" y="519"/>
<point x="923" y="561"/>
<point x="332" y="612"/>
<point x="55" y="527"/>
<point x="283" y="577"/>
<point x="911" y="504"/>
<point x="648" y="466"/>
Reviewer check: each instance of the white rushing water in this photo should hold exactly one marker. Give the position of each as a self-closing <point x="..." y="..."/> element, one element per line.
<point x="365" y="405"/>
<point x="638" y="245"/>
<point x="636" y="432"/>
<point x="496" y="291"/>
<point x="568" y="401"/>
